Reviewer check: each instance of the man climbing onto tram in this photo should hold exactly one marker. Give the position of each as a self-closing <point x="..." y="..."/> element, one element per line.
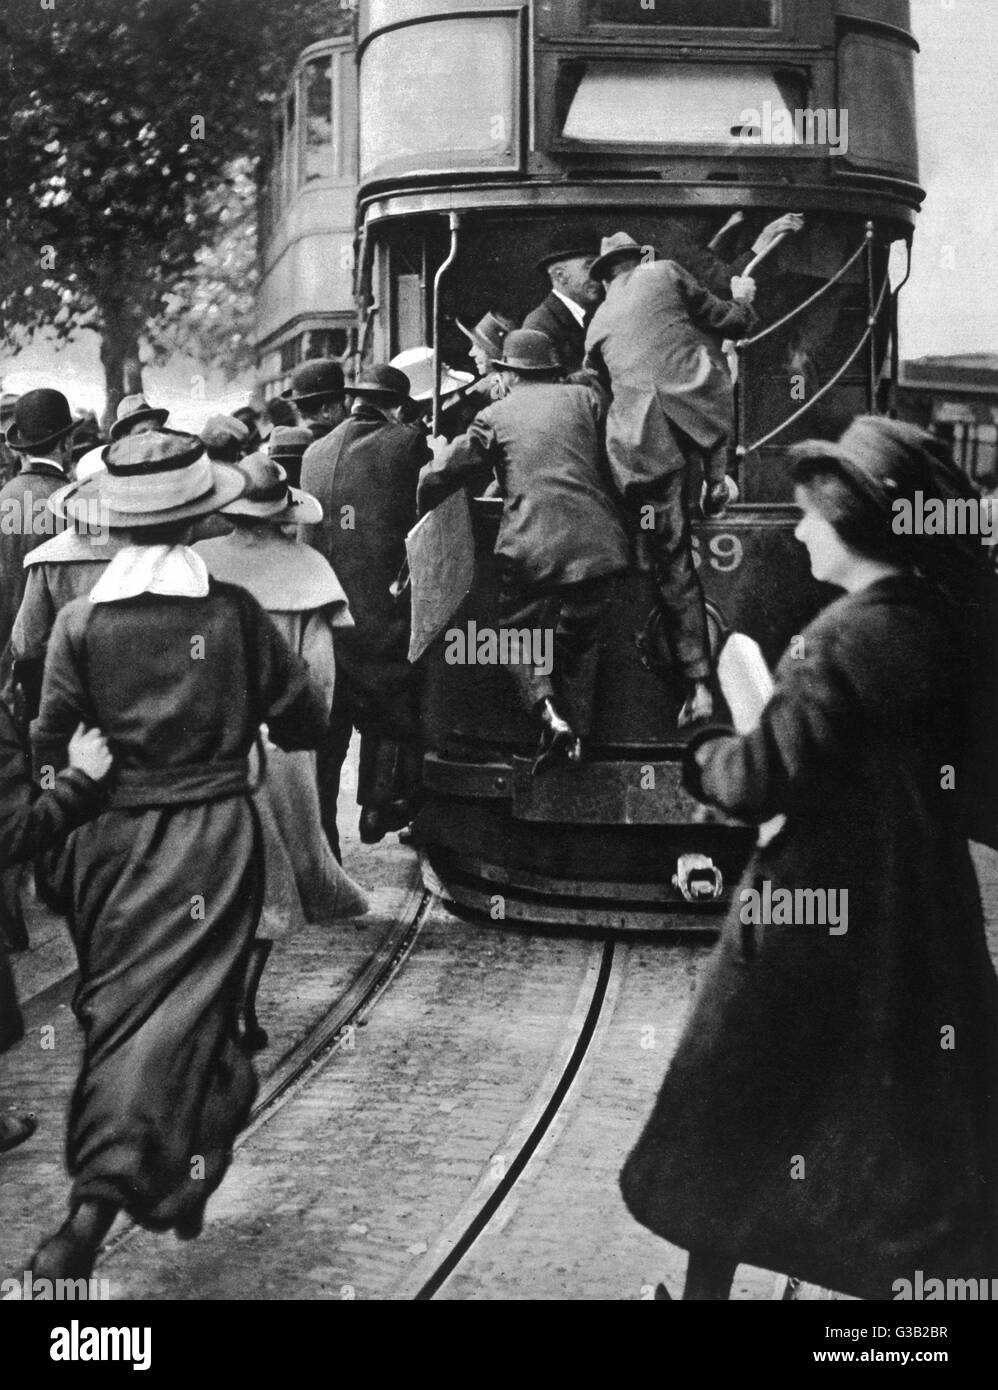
<point x="655" y="345"/>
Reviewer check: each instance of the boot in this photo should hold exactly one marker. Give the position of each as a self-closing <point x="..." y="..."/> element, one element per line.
<point x="699" y="705"/>
<point x="249" y="1034"/>
<point x="70" y="1253"/>
<point x="558" y="740"/>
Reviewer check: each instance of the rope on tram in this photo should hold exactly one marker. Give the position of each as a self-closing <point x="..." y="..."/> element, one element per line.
<point x="742" y="450"/>
<point x="743" y="343"/>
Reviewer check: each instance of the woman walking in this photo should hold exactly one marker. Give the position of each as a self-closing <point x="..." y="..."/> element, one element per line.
<point x="165" y="887"/>
<point x="832" y="1108"/>
<point x="298" y="588"/>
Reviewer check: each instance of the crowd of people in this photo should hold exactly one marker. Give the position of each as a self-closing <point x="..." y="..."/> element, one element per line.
<point x="191" y="670"/>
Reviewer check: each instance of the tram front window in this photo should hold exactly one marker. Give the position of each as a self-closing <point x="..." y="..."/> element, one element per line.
<point x="671" y="104"/>
<point x="414" y="116"/>
<point x="688" y="14"/>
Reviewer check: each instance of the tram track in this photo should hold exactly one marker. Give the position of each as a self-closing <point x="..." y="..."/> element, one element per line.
<point x="538" y="1124"/>
<point x="348" y="1011"/>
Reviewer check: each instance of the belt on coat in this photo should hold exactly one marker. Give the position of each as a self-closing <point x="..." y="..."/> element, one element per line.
<point x="145" y="788"/>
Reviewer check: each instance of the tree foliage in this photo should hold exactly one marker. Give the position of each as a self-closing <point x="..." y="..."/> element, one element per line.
<point x="130" y="133"/>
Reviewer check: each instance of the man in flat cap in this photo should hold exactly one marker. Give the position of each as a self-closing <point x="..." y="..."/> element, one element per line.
<point x="655" y="345"/>
<point x="224" y="438"/>
<point x="565" y="314"/>
<point x="287" y="445"/>
<point x="365" y="475"/>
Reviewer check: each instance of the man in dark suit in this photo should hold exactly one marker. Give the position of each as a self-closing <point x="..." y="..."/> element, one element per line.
<point x="318" y="394"/>
<point x="564" y="315"/>
<point x="560" y="540"/>
<point x="655" y="343"/>
<point x="41" y="434"/>
<point x="365" y="474"/>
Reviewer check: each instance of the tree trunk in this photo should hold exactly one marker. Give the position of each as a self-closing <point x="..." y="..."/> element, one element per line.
<point x="119" y="354"/>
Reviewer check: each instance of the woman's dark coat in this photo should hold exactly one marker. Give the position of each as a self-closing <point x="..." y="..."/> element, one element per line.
<point x="832" y="1109"/>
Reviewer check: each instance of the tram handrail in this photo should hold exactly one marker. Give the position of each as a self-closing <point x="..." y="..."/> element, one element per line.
<point x="742" y="450"/>
<point x="742" y="344"/>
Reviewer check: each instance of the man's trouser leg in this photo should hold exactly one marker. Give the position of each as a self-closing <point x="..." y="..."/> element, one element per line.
<point x="684" y="616"/>
<point x="530" y="612"/>
<point x="330" y="757"/>
<point x="576" y="646"/>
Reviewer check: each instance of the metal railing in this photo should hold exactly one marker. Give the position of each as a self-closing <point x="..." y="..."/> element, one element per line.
<point x="743" y="345"/>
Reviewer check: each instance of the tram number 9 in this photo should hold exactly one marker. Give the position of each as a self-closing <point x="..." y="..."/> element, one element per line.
<point x="726" y="553"/>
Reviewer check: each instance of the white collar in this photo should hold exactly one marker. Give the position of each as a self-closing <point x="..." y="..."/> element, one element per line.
<point x="578" y="313"/>
<point x="172" y="570"/>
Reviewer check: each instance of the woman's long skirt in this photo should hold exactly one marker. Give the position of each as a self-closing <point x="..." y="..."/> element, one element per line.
<point x="165" y="903"/>
<point x="304" y="881"/>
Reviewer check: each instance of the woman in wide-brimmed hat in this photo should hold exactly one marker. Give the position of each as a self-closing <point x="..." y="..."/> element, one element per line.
<point x="165" y="888"/>
<point x="831" y="1111"/>
<point x="300" y="591"/>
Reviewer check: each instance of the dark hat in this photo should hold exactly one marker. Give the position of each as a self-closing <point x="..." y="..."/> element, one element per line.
<point x="527" y="351"/>
<point x="320" y="376"/>
<point x="489" y="333"/>
<point x="268" y="497"/>
<point x="288" y="441"/>
<point x="883" y="459"/>
<point x="567" y="246"/>
<point x="380" y="379"/>
<point x="130" y="411"/>
<point x="614" y="248"/>
<point x="152" y="479"/>
<point x="41" y="419"/>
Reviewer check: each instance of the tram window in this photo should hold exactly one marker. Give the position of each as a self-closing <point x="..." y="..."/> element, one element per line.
<point x="688" y="14"/>
<point x="670" y="103"/>
<point x="877" y="88"/>
<point x="289" y="149"/>
<point x="414" y="116"/>
<point x="319" y="151"/>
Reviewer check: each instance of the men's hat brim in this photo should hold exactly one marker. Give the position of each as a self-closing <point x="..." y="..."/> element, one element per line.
<point x="602" y="263"/>
<point x="121" y="427"/>
<point x="476" y="338"/>
<point x="526" y="367"/>
<point x="370" y="389"/>
<point x="82" y="502"/>
<point x="25" y="446"/>
<point x="303" y="509"/>
<point x="553" y="257"/>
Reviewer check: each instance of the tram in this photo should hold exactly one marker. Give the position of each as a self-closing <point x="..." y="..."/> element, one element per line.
<point x="486" y="130"/>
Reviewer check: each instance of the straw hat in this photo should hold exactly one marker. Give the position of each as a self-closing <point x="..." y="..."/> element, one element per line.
<point x="417" y="363"/>
<point x="152" y="479"/>
<point x="270" y="498"/>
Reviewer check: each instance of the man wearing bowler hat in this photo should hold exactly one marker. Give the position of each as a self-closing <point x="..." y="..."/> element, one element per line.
<point x="560" y="540"/>
<point x="655" y="344"/>
<point x="318" y="393"/>
<point x="41" y="434"/>
<point x="565" y="314"/>
<point x="364" y="474"/>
